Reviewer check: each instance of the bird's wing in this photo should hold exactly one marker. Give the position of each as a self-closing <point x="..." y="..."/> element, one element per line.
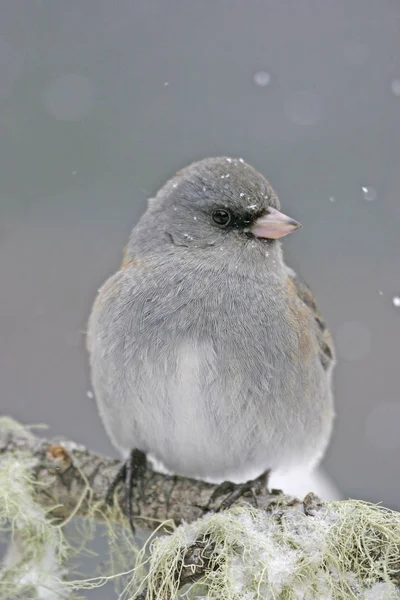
<point x="327" y="353"/>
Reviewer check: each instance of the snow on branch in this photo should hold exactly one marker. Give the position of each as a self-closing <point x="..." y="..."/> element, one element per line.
<point x="274" y="547"/>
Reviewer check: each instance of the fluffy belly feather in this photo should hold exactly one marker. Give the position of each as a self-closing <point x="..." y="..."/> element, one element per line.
<point x="208" y="426"/>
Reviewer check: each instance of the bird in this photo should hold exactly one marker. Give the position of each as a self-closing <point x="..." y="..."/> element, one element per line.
<point x="208" y="354"/>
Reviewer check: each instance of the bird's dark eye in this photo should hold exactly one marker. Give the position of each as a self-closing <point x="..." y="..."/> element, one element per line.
<point x="221" y="217"/>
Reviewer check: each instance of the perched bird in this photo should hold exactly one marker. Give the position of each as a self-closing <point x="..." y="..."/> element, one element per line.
<point x="207" y="353"/>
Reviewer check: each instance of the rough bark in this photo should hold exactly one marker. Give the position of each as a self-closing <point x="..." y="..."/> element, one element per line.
<point x="74" y="479"/>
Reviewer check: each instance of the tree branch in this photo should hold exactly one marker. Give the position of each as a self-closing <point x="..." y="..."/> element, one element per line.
<point x="73" y="479"/>
<point x="349" y="549"/>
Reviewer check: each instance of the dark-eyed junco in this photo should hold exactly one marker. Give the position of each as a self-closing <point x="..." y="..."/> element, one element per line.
<point x="207" y="352"/>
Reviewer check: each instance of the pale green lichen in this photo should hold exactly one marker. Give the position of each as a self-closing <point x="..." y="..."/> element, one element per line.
<point x="37" y="545"/>
<point x="346" y="550"/>
<point x="34" y="566"/>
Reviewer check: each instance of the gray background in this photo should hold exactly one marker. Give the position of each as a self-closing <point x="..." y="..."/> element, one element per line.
<point x="101" y="101"/>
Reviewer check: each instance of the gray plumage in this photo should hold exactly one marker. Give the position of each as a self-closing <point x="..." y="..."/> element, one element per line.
<point x="207" y="352"/>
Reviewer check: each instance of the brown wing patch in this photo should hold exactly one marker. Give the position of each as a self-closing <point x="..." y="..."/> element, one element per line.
<point x="324" y="338"/>
<point x="127" y="259"/>
<point x="299" y="316"/>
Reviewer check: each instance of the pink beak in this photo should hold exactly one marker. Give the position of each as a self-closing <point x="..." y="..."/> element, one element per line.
<point x="274" y="225"/>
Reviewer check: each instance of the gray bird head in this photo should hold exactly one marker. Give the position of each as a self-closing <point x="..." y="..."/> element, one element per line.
<point x="217" y="203"/>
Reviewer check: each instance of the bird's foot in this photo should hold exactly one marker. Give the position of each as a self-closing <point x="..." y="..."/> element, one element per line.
<point x="130" y="474"/>
<point x="234" y="491"/>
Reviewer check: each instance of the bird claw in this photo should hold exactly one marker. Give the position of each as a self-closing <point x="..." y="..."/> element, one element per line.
<point x="130" y="474"/>
<point x="234" y="491"/>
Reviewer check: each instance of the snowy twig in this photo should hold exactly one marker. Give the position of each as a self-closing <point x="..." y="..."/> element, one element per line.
<point x="274" y="546"/>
